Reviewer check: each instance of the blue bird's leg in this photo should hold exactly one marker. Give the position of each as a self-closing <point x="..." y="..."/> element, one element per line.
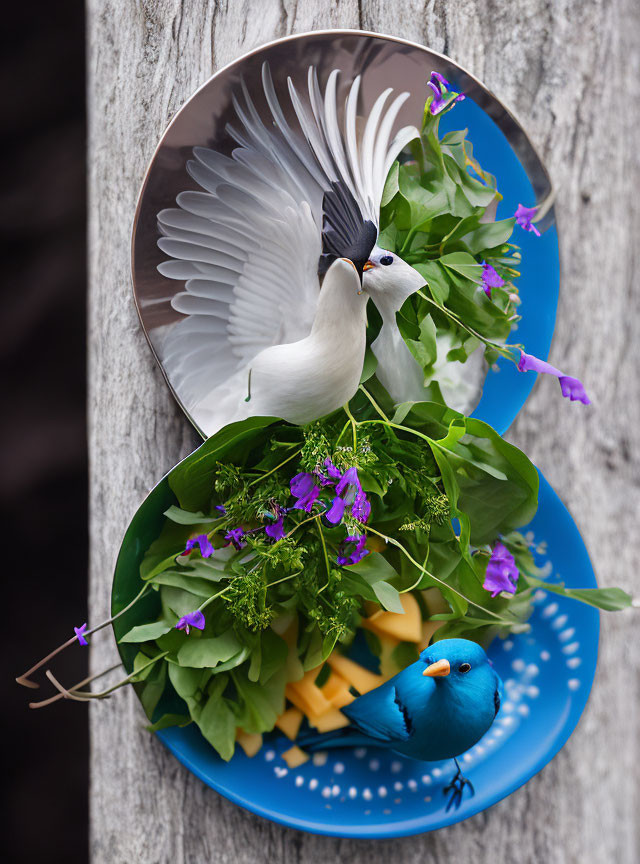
<point x="456" y="787"/>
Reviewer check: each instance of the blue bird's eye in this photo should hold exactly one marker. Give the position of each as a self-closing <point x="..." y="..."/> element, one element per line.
<point x="464" y="667"/>
<point x="386" y="260"/>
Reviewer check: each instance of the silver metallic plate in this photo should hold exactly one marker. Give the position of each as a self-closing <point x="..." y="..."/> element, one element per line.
<point x="382" y="61"/>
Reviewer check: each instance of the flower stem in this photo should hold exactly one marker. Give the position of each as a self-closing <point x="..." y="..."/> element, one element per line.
<point x="501" y="349"/>
<point x="300" y="524"/>
<point x="374" y="403"/>
<point x="324" y="550"/>
<point x="448" y="587"/>
<point x="204" y="605"/>
<point x="24" y="679"/>
<point x="273" y="470"/>
<point x="354" y="423"/>
<point x="83" y="683"/>
<point x="86" y="696"/>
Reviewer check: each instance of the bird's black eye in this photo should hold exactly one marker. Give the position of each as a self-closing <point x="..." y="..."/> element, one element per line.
<point x="464" y="667"/>
<point x="386" y="260"/>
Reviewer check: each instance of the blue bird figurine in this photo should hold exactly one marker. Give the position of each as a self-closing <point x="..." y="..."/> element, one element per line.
<point x="436" y="708"/>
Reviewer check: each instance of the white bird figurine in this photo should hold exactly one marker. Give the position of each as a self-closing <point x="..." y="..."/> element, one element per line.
<point x="281" y="213"/>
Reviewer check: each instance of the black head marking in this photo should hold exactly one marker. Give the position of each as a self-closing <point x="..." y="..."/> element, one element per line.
<point x="345" y="234"/>
<point x="496" y="701"/>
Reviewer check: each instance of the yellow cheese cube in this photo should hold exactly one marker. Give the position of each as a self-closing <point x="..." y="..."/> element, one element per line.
<point x="336" y="690"/>
<point x="249" y="743"/>
<point x="294" y="756"/>
<point x="406" y="627"/>
<point x="306" y="695"/>
<point x="333" y="719"/>
<point x="289" y="722"/>
<point x="354" y="673"/>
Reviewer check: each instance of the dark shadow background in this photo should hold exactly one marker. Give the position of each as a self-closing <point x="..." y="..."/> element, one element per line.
<point x="43" y="468"/>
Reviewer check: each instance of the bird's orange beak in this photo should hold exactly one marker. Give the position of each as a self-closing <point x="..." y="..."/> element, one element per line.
<point x="368" y="266"/>
<point x="438" y="670"/>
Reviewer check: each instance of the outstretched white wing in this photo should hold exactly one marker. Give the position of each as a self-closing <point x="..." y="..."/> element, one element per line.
<point x="249" y="247"/>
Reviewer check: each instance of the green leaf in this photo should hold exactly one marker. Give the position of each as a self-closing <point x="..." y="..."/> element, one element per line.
<point x="149" y="632"/>
<point x="608" y="599"/>
<point x="192" y="479"/>
<point x="391" y="187"/>
<point x="274" y="654"/>
<point x="233" y="662"/>
<point x="183" y="579"/>
<point x="464" y="264"/>
<point x="207" y="652"/>
<point x="168" y="720"/>
<point x="262" y="704"/>
<point x="153" y="688"/>
<point x="184" y="517"/>
<point x="404" y="654"/>
<point x="388" y="596"/>
<point x="370" y="365"/>
<point x="426" y="349"/>
<point x="373" y="568"/>
<point x="217" y="722"/>
<point x="489" y="235"/>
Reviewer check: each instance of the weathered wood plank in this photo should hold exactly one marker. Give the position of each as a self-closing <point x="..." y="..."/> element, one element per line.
<point x="571" y="72"/>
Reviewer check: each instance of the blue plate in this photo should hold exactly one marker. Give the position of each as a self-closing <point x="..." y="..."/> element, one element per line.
<point x="547" y="673"/>
<point x="499" y="142"/>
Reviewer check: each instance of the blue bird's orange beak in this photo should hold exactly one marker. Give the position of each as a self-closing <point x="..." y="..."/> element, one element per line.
<point x="438" y="670"/>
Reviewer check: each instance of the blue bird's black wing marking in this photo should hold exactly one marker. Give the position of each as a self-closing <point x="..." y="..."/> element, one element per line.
<point x="496" y="701"/>
<point x="381" y="715"/>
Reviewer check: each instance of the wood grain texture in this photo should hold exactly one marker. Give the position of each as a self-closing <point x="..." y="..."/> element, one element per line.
<point x="571" y="71"/>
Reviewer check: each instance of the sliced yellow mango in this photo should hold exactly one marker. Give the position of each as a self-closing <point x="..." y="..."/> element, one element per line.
<point x="294" y="756"/>
<point x="329" y="721"/>
<point x="354" y="673"/>
<point x="336" y="690"/>
<point x="249" y="743"/>
<point x="306" y="695"/>
<point x="289" y="722"/>
<point x="406" y="627"/>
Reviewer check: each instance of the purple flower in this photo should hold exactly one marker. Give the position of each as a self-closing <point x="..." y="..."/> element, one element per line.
<point x="332" y="476"/>
<point x="336" y="511"/>
<point x="361" y="508"/>
<point x="490" y="279"/>
<point x="502" y="573"/>
<point x="221" y="508"/>
<point x="303" y="487"/>
<point x="356" y="554"/>
<point x="234" y="536"/>
<point x="276" y="529"/>
<point x="349" y="485"/>
<point x="79" y="631"/>
<point x="349" y="493"/>
<point x="191" y="619"/>
<point x="524" y="215"/>
<point x="206" y="549"/>
<point x="572" y="388"/>
<point x="442" y="96"/>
